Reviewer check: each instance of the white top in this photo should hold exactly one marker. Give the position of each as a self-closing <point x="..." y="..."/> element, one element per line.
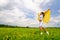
<point x="41" y="17"/>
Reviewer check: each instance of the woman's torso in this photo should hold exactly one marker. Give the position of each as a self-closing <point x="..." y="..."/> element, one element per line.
<point x="41" y="17"/>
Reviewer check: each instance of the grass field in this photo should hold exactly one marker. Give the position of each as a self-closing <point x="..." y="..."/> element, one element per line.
<point x="28" y="34"/>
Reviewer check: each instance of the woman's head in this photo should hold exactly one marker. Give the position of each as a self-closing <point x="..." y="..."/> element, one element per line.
<point x="42" y="13"/>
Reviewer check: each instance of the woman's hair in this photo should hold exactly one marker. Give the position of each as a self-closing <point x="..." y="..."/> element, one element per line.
<point x="42" y="13"/>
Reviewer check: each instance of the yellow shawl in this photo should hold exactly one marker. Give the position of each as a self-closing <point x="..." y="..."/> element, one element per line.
<point x="46" y="18"/>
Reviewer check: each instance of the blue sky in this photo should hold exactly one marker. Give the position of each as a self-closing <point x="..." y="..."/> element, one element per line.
<point x="24" y="12"/>
<point x="55" y="7"/>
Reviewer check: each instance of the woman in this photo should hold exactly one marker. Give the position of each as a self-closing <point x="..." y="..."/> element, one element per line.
<point x="41" y="15"/>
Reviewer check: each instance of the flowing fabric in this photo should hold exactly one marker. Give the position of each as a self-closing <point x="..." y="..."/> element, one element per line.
<point x="46" y="18"/>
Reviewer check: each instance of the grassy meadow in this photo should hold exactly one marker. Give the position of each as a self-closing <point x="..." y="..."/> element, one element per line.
<point x="28" y="34"/>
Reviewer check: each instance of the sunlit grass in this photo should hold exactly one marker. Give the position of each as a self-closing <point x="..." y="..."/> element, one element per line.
<point x="28" y="34"/>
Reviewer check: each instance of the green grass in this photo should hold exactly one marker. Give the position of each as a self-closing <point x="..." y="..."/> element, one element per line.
<point x="28" y="34"/>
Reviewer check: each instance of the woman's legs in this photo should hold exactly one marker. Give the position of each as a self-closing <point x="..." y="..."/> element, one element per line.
<point x="41" y="28"/>
<point x="46" y="31"/>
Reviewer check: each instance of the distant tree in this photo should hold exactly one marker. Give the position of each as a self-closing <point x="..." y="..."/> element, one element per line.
<point x="27" y="26"/>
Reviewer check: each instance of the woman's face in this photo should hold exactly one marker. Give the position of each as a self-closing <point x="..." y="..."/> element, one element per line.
<point x="41" y="13"/>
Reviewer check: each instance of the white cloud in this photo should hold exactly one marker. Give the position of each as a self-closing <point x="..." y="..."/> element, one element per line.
<point x="17" y="15"/>
<point x="58" y="10"/>
<point x="43" y="2"/>
<point x="54" y="21"/>
<point x="3" y="2"/>
<point x="29" y="4"/>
